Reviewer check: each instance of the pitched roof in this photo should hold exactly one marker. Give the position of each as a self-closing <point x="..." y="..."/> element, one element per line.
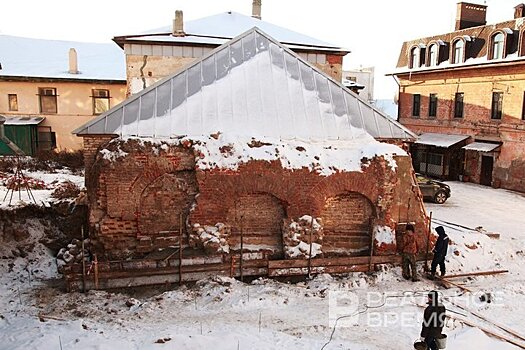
<point x="477" y="38"/>
<point x="250" y="86"/>
<point x="218" y="29"/>
<point x="39" y="58"/>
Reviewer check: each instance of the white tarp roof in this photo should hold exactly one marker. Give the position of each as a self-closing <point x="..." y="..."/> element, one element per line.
<point x="440" y="140"/>
<point x="481" y="146"/>
<point x="218" y="29"/>
<point x="250" y="86"/>
<point x="39" y="58"/>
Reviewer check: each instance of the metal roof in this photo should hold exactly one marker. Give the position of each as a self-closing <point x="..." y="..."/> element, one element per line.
<point x="39" y="58"/>
<point x="219" y="28"/>
<point x="440" y="140"/>
<point x="252" y="86"/>
<point x="481" y="146"/>
<point x="25" y="120"/>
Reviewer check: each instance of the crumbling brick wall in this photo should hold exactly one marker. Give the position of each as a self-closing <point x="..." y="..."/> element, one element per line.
<point x="139" y="191"/>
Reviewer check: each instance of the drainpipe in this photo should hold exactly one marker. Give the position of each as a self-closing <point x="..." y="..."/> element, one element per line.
<point x="8" y="142"/>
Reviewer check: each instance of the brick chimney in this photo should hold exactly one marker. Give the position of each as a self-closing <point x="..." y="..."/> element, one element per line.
<point x="178" y="24"/>
<point x="73" y="61"/>
<point x="470" y="15"/>
<point x="256" y="9"/>
<point x="519" y="11"/>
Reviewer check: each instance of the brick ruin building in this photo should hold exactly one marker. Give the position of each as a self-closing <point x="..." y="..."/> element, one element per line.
<point x="250" y="146"/>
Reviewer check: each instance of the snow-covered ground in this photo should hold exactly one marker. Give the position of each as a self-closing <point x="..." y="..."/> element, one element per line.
<point x="222" y="313"/>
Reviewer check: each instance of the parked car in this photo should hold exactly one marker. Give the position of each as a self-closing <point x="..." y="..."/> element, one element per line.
<point x="433" y="190"/>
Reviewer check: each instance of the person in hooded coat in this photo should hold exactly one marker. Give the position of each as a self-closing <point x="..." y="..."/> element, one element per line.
<point x="440" y="252"/>
<point x="433" y="320"/>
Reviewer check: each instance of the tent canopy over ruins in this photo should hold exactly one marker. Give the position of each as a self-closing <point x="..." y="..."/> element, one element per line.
<point x="251" y="86"/>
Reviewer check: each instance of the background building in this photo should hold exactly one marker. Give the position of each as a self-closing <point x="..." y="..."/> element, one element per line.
<point x="155" y="54"/>
<point x="363" y="76"/>
<point x="48" y="88"/>
<point x="463" y="92"/>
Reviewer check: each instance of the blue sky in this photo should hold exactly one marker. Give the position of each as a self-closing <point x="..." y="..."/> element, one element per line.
<point x="373" y="30"/>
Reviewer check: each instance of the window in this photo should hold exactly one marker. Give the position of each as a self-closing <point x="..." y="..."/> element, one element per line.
<point x="458" y="51"/>
<point x="414" y="57"/>
<point x="48" y="100"/>
<point x="458" y="105"/>
<point x="416" y="105"/>
<point x="13" y="102"/>
<point x="432" y="105"/>
<point x="498" y="41"/>
<point x="433" y="55"/>
<point x="100" y="100"/>
<point x="497" y="102"/>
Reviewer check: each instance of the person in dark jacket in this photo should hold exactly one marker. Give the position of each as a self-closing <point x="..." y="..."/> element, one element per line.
<point x="440" y="252"/>
<point x="408" y="254"/>
<point x="433" y="320"/>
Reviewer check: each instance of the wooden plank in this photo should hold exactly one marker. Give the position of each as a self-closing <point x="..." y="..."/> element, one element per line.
<point x="338" y="261"/>
<point x="299" y="271"/>
<point x="500" y="326"/>
<point x="488" y="331"/>
<point x="484" y="273"/>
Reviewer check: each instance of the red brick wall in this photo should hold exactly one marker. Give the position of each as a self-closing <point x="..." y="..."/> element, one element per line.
<point x="136" y="200"/>
<point x="346" y="220"/>
<point x="260" y="217"/>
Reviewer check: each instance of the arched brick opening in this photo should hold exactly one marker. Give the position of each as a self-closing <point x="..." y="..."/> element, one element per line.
<point x="260" y="217"/>
<point x="347" y="225"/>
<point x="161" y="204"/>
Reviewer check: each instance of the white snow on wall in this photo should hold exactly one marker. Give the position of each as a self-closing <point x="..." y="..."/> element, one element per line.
<point x="384" y="235"/>
<point x="325" y="158"/>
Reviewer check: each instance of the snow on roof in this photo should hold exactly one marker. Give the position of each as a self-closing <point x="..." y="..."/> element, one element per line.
<point x="482" y="146"/>
<point x="228" y="25"/>
<point x="39" y="58"/>
<point x="250" y="86"/>
<point x="440" y="140"/>
<point x="26" y="120"/>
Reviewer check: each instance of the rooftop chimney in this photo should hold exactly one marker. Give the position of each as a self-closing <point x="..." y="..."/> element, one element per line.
<point x="178" y="24"/>
<point x="256" y="9"/>
<point x="73" y="62"/>
<point x="470" y="15"/>
<point x="519" y="11"/>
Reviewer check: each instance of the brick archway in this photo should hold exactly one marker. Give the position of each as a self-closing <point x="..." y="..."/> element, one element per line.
<point x="162" y="202"/>
<point x="346" y="223"/>
<point x="260" y="217"/>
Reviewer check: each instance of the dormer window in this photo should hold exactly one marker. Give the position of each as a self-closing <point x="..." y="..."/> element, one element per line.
<point x="414" y="57"/>
<point x="417" y="56"/>
<point x="458" y="51"/>
<point x="433" y="55"/>
<point x="497" y="46"/>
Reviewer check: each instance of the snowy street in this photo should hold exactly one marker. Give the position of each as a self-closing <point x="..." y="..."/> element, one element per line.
<point x="222" y="313"/>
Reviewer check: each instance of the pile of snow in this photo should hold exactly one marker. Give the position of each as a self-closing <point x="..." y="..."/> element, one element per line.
<point x="213" y="239"/>
<point x="296" y="237"/>
<point x="73" y="254"/>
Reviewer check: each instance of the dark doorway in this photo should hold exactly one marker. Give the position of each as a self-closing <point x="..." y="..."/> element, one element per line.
<point x="487" y="164"/>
